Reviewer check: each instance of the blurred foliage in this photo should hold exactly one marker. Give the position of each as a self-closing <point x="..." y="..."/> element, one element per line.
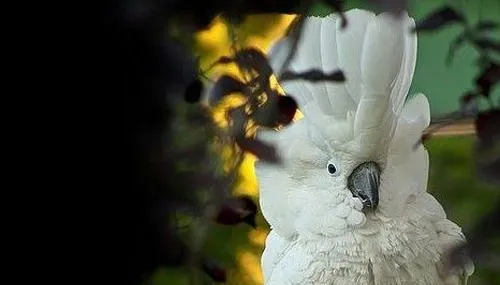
<point x="452" y="178"/>
<point x="442" y="83"/>
<point x="452" y="181"/>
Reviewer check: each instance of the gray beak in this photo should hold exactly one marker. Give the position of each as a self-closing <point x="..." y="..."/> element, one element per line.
<point x="364" y="182"/>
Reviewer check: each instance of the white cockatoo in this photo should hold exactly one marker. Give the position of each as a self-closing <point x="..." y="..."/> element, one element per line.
<point x="349" y="204"/>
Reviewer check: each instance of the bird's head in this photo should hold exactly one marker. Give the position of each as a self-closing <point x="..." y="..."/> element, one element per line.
<point x="343" y="159"/>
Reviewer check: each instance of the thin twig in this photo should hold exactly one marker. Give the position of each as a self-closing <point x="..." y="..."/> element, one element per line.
<point x="296" y="33"/>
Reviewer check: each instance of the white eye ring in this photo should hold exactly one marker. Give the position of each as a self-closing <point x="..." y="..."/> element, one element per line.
<point x="332" y="168"/>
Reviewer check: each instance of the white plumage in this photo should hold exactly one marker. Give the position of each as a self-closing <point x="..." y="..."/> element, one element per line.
<point x="321" y="234"/>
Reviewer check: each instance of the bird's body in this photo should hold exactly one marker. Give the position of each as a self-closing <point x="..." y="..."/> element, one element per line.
<point x="396" y="251"/>
<point x="349" y="204"/>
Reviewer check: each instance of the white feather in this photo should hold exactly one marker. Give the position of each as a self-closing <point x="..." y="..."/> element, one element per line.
<point x="402" y="84"/>
<point x="406" y="174"/>
<point x="382" y="54"/>
<point x="274" y="250"/>
<point x="381" y="62"/>
<point x="337" y="93"/>
<point x="350" y="46"/>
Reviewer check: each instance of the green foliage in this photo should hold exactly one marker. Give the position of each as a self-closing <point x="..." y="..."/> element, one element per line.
<point x="452" y="181"/>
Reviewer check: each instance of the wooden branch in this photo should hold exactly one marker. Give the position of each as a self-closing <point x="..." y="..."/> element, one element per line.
<point x="459" y="128"/>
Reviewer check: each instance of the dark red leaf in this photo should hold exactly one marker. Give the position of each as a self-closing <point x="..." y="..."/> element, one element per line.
<point x="278" y="110"/>
<point x="487" y="155"/>
<point x="260" y="149"/>
<point x="287" y="109"/>
<point x="224" y="86"/>
<point x="221" y="60"/>
<point x="314" y="75"/>
<point x="489" y="77"/>
<point x="487" y="126"/>
<point x="253" y="59"/>
<point x="268" y="114"/>
<point x="235" y="210"/>
<point x="224" y="60"/>
<point x="217" y="273"/>
<point x="193" y="91"/>
<point x="440" y="18"/>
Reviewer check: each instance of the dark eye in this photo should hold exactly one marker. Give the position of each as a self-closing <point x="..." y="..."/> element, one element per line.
<point x="331" y="168"/>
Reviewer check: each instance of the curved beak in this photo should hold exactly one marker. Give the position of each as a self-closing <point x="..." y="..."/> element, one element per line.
<point x="364" y="182"/>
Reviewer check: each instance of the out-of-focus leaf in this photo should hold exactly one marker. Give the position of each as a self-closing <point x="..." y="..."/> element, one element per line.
<point x="278" y="110"/>
<point x="489" y="77"/>
<point x="221" y="60"/>
<point x="260" y="149"/>
<point x="487" y="44"/>
<point x="483" y="61"/>
<point x="487" y="171"/>
<point x="224" y="60"/>
<point x="468" y="104"/>
<point x="235" y="210"/>
<point x="234" y="19"/>
<point x="459" y="41"/>
<point x="287" y="109"/>
<point x="486" y="26"/>
<point x="217" y="273"/>
<point x="441" y="17"/>
<point x="253" y="59"/>
<point x="267" y="115"/>
<point x="224" y="86"/>
<point x="487" y="127"/>
<point x="487" y="153"/>
<point x="338" y="6"/>
<point x="314" y="75"/>
<point x="193" y="91"/>
<point x="478" y="245"/>
<point x="396" y="7"/>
